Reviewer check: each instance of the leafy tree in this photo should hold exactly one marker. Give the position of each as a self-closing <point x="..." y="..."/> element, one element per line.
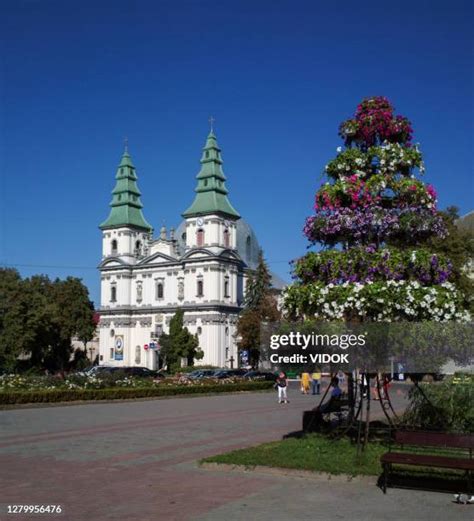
<point x="258" y="284"/>
<point x="179" y="343"/>
<point x="260" y="307"/>
<point x="38" y="319"/>
<point x="458" y="247"/>
<point x="13" y="313"/>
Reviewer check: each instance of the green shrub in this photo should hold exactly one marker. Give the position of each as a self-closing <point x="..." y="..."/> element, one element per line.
<point x="448" y="406"/>
<point x="117" y="393"/>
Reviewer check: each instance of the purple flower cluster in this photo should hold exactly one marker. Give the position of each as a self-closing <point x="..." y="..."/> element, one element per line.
<point x="372" y="225"/>
<point x="359" y="265"/>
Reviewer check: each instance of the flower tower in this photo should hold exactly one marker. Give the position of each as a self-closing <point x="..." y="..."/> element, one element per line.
<point x="373" y="218"/>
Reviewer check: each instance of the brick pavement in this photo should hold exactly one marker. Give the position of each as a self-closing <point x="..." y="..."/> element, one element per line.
<point x="136" y="460"/>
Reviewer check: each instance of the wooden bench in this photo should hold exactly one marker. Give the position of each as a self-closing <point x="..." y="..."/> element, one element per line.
<point x="459" y="444"/>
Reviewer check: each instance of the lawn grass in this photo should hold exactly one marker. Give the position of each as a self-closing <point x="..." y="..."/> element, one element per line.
<point x="313" y="452"/>
<point x="317" y="453"/>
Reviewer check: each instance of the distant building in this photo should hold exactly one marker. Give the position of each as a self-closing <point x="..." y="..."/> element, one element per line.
<point x="201" y="268"/>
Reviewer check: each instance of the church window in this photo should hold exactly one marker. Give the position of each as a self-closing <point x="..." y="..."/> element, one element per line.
<point x="138" y="248"/>
<point x="200" y="237"/>
<point x="183" y="237"/>
<point x="138" y="355"/>
<point x="205" y="182"/>
<point x="248" y="247"/>
<point x="200" y="288"/>
<point x="207" y="153"/>
<point x="181" y="288"/>
<point x="160" y="290"/>
<point x="199" y="330"/>
<point x="226" y="288"/>
<point x="226" y="239"/>
<point x="114" y="247"/>
<point x="113" y="293"/>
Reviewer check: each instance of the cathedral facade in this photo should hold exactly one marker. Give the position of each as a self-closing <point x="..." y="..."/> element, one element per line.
<point x="200" y="267"/>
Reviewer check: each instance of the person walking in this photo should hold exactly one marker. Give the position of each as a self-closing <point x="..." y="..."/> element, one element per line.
<point x="316" y="382"/>
<point x="282" y="385"/>
<point x="305" y="382"/>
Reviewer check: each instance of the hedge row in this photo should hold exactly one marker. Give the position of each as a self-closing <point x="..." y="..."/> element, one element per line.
<point x="68" y="395"/>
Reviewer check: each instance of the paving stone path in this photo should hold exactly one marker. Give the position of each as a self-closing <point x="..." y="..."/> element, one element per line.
<point x="137" y="461"/>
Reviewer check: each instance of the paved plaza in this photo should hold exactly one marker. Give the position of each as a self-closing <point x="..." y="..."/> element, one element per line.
<point x="136" y="460"/>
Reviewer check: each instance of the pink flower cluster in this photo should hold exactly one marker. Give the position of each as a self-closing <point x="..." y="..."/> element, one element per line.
<point x="430" y="190"/>
<point x="375" y="122"/>
<point x="356" y="194"/>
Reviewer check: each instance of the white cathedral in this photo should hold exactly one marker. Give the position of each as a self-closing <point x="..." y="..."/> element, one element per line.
<point x="201" y="268"/>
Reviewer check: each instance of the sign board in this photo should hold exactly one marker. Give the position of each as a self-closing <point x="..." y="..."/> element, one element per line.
<point x="118" y="353"/>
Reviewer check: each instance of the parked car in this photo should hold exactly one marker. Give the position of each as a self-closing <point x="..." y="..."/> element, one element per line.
<point x="201" y="373"/>
<point x="260" y="375"/>
<point x="100" y="370"/>
<point x="141" y="372"/>
<point x="230" y="373"/>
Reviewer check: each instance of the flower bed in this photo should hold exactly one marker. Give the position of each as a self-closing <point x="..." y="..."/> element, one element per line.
<point x="8" y="397"/>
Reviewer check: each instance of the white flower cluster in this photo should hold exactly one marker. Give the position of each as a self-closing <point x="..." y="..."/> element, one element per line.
<point x="392" y="156"/>
<point x="387" y="301"/>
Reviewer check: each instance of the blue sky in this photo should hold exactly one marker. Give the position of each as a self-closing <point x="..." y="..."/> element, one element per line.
<point x="278" y="76"/>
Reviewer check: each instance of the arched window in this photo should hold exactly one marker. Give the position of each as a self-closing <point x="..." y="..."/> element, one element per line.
<point x="113" y="250"/>
<point x="226" y="288"/>
<point x="248" y="247"/>
<point x="200" y="237"/>
<point x="113" y="293"/>
<point x="138" y="248"/>
<point x="160" y="290"/>
<point x="200" y="288"/>
<point x="199" y="330"/>
<point x="226" y="238"/>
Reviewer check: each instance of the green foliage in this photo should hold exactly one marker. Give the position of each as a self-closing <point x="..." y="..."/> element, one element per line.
<point x="179" y="343"/>
<point x="458" y="246"/>
<point x="68" y="395"/>
<point x="258" y="284"/>
<point x="445" y="406"/>
<point x="260" y="306"/>
<point x="39" y="317"/>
